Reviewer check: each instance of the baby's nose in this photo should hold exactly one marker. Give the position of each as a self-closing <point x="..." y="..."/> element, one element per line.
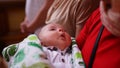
<point x="61" y="30"/>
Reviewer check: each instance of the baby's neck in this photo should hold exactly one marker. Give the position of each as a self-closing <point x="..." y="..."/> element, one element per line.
<point x="62" y="47"/>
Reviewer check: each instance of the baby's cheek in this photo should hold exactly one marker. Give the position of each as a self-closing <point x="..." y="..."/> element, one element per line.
<point x="50" y="43"/>
<point x="69" y="41"/>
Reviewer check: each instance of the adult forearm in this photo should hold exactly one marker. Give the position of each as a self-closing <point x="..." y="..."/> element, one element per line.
<point x="110" y="17"/>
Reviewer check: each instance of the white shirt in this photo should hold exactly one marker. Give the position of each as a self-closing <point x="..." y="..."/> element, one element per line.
<point x="32" y="8"/>
<point x="59" y="59"/>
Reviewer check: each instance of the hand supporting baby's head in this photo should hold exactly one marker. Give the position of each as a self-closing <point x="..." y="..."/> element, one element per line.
<point x="54" y="35"/>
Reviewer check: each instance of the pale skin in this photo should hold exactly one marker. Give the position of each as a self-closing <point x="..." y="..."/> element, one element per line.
<point x="107" y="7"/>
<point x="54" y="35"/>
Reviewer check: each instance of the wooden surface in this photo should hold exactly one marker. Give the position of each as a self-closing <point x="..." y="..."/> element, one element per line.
<point x="8" y="37"/>
<point x="12" y="3"/>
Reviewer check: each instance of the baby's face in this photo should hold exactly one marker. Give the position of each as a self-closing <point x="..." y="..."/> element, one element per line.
<point x="54" y="35"/>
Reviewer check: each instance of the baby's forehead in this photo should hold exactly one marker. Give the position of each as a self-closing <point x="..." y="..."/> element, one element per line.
<point x="53" y="26"/>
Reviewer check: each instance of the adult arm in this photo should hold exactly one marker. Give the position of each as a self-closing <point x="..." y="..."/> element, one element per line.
<point x="110" y="15"/>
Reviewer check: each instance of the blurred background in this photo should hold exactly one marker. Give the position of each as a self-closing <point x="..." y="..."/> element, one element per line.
<point x="12" y="13"/>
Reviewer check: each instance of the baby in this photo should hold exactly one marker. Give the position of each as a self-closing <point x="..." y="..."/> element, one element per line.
<point x="52" y="47"/>
<point x="59" y="46"/>
<point x="55" y="35"/>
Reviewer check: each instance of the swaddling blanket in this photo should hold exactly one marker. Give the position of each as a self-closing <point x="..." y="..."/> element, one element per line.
<point x="30" y="54"/>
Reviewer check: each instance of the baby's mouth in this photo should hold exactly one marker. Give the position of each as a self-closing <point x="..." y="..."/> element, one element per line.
<point x="62" y="36"/>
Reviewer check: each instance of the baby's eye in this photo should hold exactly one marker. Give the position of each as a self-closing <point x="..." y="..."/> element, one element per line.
<point x="52" y="29"/>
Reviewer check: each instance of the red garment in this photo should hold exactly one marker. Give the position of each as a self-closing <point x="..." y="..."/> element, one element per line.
<point x="107" y="55"/>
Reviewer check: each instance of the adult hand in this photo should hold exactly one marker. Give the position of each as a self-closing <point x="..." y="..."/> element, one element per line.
<point x="24" y="26"/>
<point x="110" y="18"/>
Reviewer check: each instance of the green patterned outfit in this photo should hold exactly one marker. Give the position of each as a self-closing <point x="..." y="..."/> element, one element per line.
<point x="30" y="54"/>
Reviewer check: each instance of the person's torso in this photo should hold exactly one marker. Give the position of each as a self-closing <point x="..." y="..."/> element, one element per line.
<point x="32" y="8"/>
<point x="107" y="55"/>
